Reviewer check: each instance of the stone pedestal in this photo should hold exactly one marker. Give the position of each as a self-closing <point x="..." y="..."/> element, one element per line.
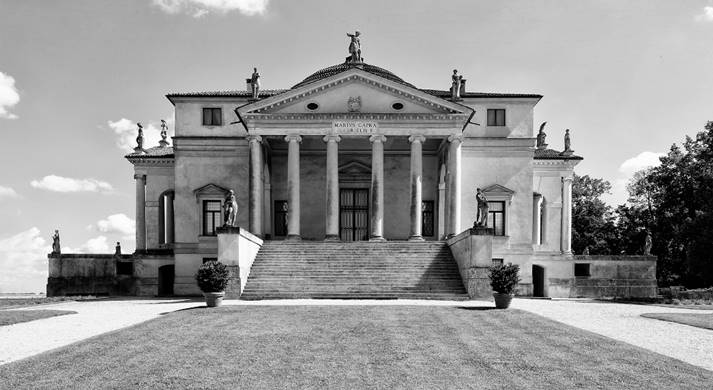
<point x="237" y="249"/>
<point x="473" y="251"/>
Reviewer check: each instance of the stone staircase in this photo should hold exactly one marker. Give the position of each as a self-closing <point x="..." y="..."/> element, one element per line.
<point x="354" y="270"/>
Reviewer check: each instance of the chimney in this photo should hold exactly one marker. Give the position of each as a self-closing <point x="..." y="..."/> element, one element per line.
<point x="462" y="87"/>
<point x="248" y="85"/>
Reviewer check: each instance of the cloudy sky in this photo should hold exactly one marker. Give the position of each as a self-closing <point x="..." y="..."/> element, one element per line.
<point x="628" y="78"/>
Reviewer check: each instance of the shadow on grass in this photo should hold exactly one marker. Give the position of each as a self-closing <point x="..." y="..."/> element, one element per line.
<point x="477" y="308"/>
<point x="185" y="309"/>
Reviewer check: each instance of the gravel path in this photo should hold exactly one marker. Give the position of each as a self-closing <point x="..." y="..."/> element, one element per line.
<point x="623" y="322"/>
<point x="93" y="318"/>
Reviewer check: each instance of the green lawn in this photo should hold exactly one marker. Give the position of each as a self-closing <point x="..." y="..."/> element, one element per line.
<point x="19" y="302"/>
<point x="9" y="317"/>
<point x="702" y="320"/>
<point x="352" y="347"/>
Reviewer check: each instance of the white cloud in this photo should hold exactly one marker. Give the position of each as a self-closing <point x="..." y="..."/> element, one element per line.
<point x="126" y="132"/>
<point x="8" y="96"/>
<point x="117" y="223"/>
<point x="66" y="184"/>
<point x="706" y="15"/>
<point x="198" y="8"/>
<point x="7" y="192"/>
<point x="642" y="161"/>
<point x="23" y="262"/>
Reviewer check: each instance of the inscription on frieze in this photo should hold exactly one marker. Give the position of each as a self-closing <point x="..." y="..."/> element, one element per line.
<point x="355" y="127"/>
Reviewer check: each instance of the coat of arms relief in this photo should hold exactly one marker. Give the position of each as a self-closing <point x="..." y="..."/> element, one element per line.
<point x="354" y="104"/>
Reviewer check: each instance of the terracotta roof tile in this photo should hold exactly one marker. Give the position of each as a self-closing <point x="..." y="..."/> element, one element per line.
<point x="551" y="154"/>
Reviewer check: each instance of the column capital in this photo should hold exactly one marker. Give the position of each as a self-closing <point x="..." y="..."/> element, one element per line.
<point x="416" y="138"/>
<point x="255" y="138"/>
<point x="331" y="137"/>
<point x="377" y="137"/>
<point x="139" y="176"/>
<point x="293" y="137"/>
<point x="455" y="138"/>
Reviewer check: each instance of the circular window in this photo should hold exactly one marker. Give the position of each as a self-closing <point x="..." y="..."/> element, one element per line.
<point x="397" y="106"/>
<point x="312" y="106"/>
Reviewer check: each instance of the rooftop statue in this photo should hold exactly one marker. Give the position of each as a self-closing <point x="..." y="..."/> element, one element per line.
<point x="255" y="83"/>
<point x="648" y="243"/>
<point x="231" y="210"/>
<point x="164" y="134"/>
<point x="56" y="249"/>
<point x="541" y="137"/>
<point x="481" y="217"/>
<point x="567" y="144"/>
<point x="455" y="85"/>
<point x="354" y="47"/>
<point x="139" y="139"/>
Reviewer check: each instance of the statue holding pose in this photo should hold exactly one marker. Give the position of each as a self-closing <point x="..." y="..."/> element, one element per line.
<point x="255" y="83"/>
<point x="354" y="47"/>
<point x="55" y="243"/>
<point x="648" y="243"/>
<point x="481" y="218"/>
<point x="567" y="143"/>
<point x="231" y="210"/>
<point x="164" y="134"/>
<point x="455" y="85"/>
<point x="541" y="137"/>
<point x="140" y="138"/>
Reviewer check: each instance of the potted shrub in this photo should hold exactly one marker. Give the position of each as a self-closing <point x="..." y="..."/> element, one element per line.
<point x="212" y="278"/>
<point x="504" y="280"/>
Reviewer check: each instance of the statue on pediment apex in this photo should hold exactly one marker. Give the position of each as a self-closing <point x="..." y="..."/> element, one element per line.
<point x="354" y="47"/>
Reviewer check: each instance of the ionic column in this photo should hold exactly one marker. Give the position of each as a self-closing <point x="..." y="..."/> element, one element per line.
<point x="169" y="228"/>
<point x="293" y="186"/>
<point x="256" y="193"/>
<point x="377" y="187"/>
<point x="332" y="219"/>
<point x="566" y="239"/>
<point x="416" y="190"/>
<point x="536" y="219"/>
<point x="454" y="209"/>
<point x="140" y="212"/>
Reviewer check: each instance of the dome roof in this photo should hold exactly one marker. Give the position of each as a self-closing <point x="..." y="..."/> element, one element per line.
<point x="339" y="68"/>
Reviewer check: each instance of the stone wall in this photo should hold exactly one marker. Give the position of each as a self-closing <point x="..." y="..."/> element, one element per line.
<point x="473" y="251"/>
<point x="616" y="277"/>
<point x="101" y="274"/>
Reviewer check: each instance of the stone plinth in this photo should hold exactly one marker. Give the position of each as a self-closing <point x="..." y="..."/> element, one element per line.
<point x="237" y="249"/>
<point x="473" y="251"/>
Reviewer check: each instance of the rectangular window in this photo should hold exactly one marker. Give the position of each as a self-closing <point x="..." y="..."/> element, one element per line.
<point x="427" y="218"/>
<point x="207" y="259"/>
<point x="212" y="210"/>
<point x="280" y="218"/>
<point x="581" y="270"/>
<point x="496" y="217"/>
<point x="124" y="268"/>
<point x="496" y="117"/>
<point x="212" y="116"/>
<point x="497" y="261"/>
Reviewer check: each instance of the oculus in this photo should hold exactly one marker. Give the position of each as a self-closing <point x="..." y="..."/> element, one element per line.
<point x="312" y="106"/>
<point x="397" y="106"/>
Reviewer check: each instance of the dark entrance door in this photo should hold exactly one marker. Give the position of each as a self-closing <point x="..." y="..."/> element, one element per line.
<point x="538" y="281"/>
<point x="354" y="214"/>
<point x="165" y="280"/>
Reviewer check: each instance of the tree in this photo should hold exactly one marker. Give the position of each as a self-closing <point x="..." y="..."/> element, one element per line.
<point x="593" y="224"/>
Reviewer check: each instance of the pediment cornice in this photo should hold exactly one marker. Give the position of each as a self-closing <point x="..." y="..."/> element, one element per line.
<point x="354" y="75"/>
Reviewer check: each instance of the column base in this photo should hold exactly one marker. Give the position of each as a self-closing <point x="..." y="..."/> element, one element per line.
<point x="377" y="239"/>
<point x="293" y="237"/>
<point x="332" y="237"/>
<point x="416" y="238"/>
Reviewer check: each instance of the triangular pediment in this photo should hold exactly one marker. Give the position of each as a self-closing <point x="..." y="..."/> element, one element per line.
<point x="354" y="91"/>
<point x="211" y="190"/>
<point x="497" y="191"/>
<point x="355" y="168"/>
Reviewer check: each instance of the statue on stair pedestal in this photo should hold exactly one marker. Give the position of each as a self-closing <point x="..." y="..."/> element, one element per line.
<point x="481" y="217"/>
<point x="231" y="210"/>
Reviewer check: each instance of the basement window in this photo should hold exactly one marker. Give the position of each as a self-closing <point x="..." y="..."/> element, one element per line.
<point x="581" y="270"/>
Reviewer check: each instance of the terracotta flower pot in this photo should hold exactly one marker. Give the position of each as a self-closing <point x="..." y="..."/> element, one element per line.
<point x="502" y="301"/>
<point x="214" y="299"/>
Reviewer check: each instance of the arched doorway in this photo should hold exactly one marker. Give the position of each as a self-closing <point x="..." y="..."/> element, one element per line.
<point x="538" y="281"/>
<point x="165" y="280"/>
